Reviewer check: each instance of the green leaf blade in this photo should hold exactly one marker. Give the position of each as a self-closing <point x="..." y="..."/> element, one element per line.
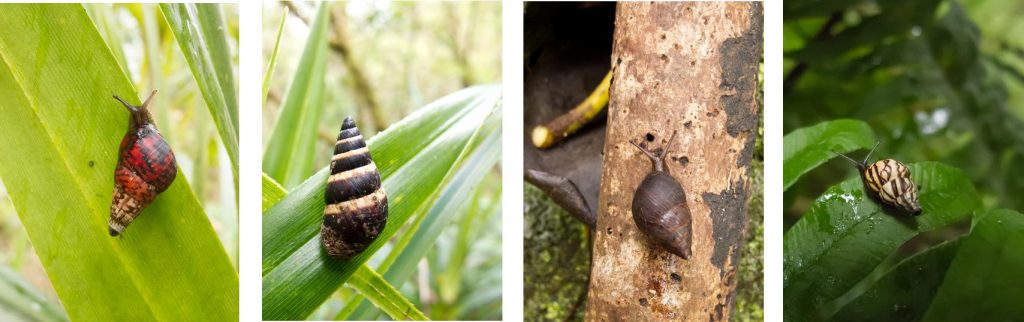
<point x="985" y="273"/>
<point x="414" y="156"/>
<point x="202" y="37"/>
<point x="288" y="158"/>
<point x="846" y="235"/>
<point x="59" y="133"/>
<point x="807" y="148"/>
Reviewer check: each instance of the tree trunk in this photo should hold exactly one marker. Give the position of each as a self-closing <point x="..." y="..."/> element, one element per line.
<point x="689" y="67"/>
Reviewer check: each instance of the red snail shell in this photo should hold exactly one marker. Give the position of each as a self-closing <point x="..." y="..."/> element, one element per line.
<point x="659" y="206"/>
<point x="145" y="167"/>
<point x="357" y="207"/>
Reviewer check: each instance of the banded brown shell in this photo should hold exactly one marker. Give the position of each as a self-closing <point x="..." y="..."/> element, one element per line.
<point x="659" y="206"/>
<point x="889" y="182"/>
<point x="357" y="207"/>
<point x="145" y="167"/>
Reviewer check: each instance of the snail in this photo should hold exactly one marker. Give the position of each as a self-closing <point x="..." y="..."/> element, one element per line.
<point x="357" y="207"/>
<point x="659" y="206"/>
<point x="888" y="181"/>
<point x="145" y="167"/>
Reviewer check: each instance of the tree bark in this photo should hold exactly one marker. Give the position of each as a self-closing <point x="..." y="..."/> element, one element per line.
<point x="690" y="67"/>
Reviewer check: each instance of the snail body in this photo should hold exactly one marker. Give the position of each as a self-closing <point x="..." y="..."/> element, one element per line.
<point x="357" y="206"/>
<point x="660" y="209"/>
<point x="145" y="167"/>
<point x="888" y="181"/>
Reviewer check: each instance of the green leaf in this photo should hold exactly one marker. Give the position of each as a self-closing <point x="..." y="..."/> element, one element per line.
<point x="273" y="56"/>
<point x="272" y="192"/>
<point x="410" y="251"/>
<point x="415" y="156"/>
<point x="365" y="280"/>
<point x="905" y="291"/>
<point x="203" y="39"/>
<point x="986" y="273"/>
<point x="809" y="147"/>
<point x="846" y="235"/>
<point x="59" y="135"/>
<point x="289" y="154"/>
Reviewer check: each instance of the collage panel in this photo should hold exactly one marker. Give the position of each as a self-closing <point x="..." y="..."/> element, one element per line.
<point x="118" y="161"/>
<point x="381" y="186"/>
<point x="643" y="158"/>
<point x="902" y="147"/>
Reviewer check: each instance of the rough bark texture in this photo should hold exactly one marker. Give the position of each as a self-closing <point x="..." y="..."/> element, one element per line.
<point x="691" y="68"/>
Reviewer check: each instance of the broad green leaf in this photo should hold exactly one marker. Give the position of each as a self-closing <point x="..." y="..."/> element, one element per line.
<point x="289" y="154"/>
<point x="809" y="147"/>
<point x="364" y="280"/>
<point x="985" y="279"/>
<point x="59" y="134"/>
<point x="410" y="251"/>
<point x="273" y="56"/>
<point x="846" y="235"/>
<point x="19" y="301"/>
<point x="415" y="156"/>
<point x="203" y="39"/>
<point x="905" y="291"/>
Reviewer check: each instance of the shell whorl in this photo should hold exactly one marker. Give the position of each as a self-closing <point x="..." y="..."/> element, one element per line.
<point x="890" y="181"/>
<point x="356" y="204"/>
<point x="146" y="167"/>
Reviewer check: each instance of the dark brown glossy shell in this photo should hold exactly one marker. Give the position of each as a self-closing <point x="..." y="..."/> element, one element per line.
<point x="660" y="211"/>
<point x="659" y="207"/>
<point x="356" y="205"/>
<point x="145" y="168"/>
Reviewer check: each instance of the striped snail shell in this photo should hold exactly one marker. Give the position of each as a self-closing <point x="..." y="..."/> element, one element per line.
<point x="659" y="206"/>
<point x="357" y="207"/>
<point x="889" y="181"/>
<point x="145" y="167"/>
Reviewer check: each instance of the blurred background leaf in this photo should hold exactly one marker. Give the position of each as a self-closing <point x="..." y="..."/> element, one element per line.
<point x="61" y="133"/>
<point x="203" y="39"/>
<point x="384" y="62"/>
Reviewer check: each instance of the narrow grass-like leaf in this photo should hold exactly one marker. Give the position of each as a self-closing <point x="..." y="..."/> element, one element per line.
<point x="985" y="279"/>
<point x="846" y="235"/>
<point x="59" y="136"/>
<point x="486" y="151"/>
<point x="414" y="156"/>
<point x="365" y="280"/>
<point x="809" y="147"/>
<point x="19" y="301"/>
<point x="384" y="296"/>
<point x="905" y="291"/>
<point x="272" y="192"/>
<point x="273" y="56"/>
<point x="203" y="39"/>
<point x="288" y="157"/>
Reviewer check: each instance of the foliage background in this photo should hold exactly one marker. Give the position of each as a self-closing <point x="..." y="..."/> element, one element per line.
<point x="934" y="80"/>
<point x="385" y="59"/>
<point x="152" y="58"/>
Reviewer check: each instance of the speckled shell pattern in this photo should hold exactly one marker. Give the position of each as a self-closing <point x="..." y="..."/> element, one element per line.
<point x="145" y="168"/>
<point x="890" y="181"/>
<point x="356" y="205"/>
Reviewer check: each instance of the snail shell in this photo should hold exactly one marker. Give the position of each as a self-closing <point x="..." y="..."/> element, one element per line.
<point x="145" y="167"/>
<point x="659" y="207"/>
<point x="357" y="207"/>
<point x="889" y="182"/>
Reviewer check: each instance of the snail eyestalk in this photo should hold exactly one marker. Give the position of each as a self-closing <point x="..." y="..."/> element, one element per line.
<point x="547" y="135"/>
